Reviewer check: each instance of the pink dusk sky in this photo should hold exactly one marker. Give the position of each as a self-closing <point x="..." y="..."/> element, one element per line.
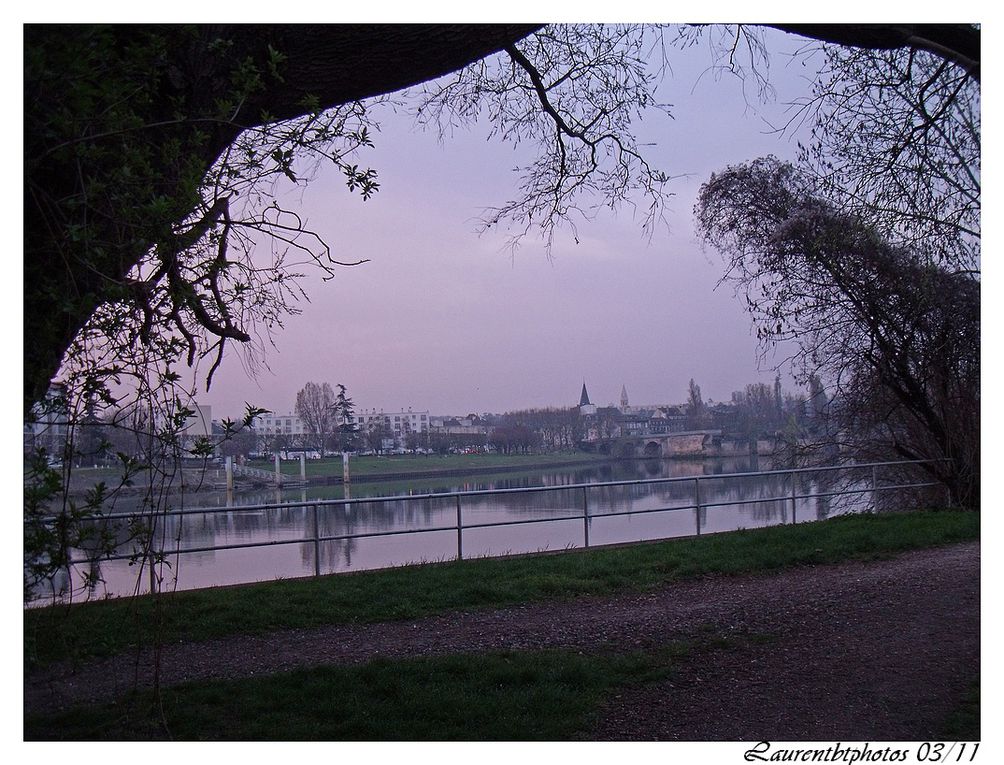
<point x="444" y="320"/>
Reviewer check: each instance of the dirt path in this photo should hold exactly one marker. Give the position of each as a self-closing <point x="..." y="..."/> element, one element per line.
<point x="854" y="651"/>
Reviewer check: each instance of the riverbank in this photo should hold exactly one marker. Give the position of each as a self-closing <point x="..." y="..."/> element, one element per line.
<point x="369" y="469"/>
<point x="397" y="467"/>
<point x="743" y="646"/>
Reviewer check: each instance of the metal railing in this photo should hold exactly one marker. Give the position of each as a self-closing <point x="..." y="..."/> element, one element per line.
<point x="316" y="538"/>
<point x="316" y="506"/>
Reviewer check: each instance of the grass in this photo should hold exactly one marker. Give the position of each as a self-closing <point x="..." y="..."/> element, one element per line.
<point x="964" y="723"/>
<point x="374" y="466"/>
<point x="361" y="467"/>
<point x="86" y="630"/>
<point x="503" y="696"/>
<point x="543" y="695"/>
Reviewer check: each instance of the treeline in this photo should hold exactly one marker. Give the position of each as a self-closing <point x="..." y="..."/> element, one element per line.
<point x="548" y="429"/>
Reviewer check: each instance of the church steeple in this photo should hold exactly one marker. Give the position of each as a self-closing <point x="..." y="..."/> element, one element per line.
<point x="585" y="407"/>
<point x="624" y="399"/>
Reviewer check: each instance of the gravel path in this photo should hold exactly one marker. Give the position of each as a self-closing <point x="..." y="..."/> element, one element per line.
<point x="853" y="651"/>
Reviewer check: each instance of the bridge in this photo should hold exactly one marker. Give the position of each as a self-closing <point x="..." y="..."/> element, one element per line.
<point x="695" y="443"/>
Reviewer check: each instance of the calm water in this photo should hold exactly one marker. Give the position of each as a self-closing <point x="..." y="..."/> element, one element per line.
<point x="410" y="515"/>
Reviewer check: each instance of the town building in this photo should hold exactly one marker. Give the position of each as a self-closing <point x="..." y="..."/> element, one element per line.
<point x="398" y="425"/>
<point x="280" y="425"/>
<point x="603" y="423"/>
<point x="198" y="426"/>
<point x="47" y="425"/>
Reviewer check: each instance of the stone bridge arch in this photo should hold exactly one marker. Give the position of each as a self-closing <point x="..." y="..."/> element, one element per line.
<point x="651" y="447"/>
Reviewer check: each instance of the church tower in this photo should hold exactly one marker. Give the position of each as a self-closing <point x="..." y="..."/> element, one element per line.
<point x="584" y="406"/>
<point x="625" y="406"/>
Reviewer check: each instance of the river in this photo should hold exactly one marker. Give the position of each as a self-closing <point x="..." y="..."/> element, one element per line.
<point x="407" y="515"/>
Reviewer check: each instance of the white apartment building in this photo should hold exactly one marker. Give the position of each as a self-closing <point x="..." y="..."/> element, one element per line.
<point x="280" y="425"/>
<point x="200" y="422"/>
<point x="47" y="427"/>
<point x="398" y="424"/>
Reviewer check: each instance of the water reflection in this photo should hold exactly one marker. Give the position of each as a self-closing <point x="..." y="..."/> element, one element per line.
<point x="318" y="533"/>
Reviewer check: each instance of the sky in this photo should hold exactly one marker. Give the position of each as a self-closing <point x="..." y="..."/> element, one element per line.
<point x="444" y="320"/>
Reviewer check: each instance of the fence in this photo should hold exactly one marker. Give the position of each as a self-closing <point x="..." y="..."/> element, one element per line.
<point x="584" y="491"/>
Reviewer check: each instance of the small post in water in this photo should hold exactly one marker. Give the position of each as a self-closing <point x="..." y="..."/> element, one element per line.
<point x="303" y="466"/>
<point x="585" y="516"/>
<point x="345" y="468"/>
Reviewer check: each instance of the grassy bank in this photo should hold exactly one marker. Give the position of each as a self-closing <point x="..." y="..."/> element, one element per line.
<point x="375" y="486"/>
<point x="108" y="627"/>
<point x="406" y="464"/>
<point x="362" y="468"/>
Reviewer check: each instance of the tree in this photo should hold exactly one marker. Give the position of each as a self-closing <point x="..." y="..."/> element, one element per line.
<point x="134" y="186"/>
<point x="896" y="141"/>
<point x="817" y="404"/>
<point x="243" y="444"/>
<point x="696" y="410"/>
<point x="511" y="439"/>
<point x="376" y="432"/>
<point x="116" y="170"/>
<point x="315" y="406"/>
<point x="555" y="428"/>
<point x="958" y="43"/>
<point x="344" y="416"/>
<point x="896" y="337"/>
<point x="131" y="173"/>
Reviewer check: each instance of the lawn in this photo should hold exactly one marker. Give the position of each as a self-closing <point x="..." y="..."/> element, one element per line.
<point x="545" y="695"/>
<point x="421" y="463"/>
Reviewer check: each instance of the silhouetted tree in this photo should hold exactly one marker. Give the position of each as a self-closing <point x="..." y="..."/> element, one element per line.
<point x="344" y="414"/>
<point x="697" y="414"/>
<point x="896" y="142"/>
<point x="315" y="406"/>
<point x="896" y="337"/>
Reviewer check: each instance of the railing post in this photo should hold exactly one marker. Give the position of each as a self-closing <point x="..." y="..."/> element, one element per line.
<point x="317" y="544"/>
<point x="460" y="532"/>
<point x="151" y="555"/>
<point x="793" y="501"/>
<point x="697" y="504"/>
<point x="875" y="488"/>
<point x="585" y="517"/>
